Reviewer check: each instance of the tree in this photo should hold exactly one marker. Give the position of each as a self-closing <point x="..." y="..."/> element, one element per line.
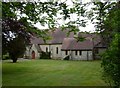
<point x="15" y="35"/>
<point x="111" y="62"/>
<point x="18" y="19"/>
<point x="107" y="20"/>
<point x="111" y="24"/>
<point x="14" y="39"/>
<point x="111" y="58"/>
<point x="98" y="16"/>
<point x="16" y="48"/>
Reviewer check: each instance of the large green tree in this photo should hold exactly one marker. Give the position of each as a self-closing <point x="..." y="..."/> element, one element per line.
<point x="107" y="19"/>
<point x="111" y="23"/>
<point x="111" y="58"/>
<point x="111" y="62"/>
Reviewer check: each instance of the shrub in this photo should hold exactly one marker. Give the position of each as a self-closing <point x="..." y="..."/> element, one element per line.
<point x="5" y="57"/>
<point x="45" y="55"/>
<point x="111" y="63"/>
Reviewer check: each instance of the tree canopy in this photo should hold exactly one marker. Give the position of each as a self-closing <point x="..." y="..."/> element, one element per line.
<point x="19" y="18"/>
<point x="111" y="58"/>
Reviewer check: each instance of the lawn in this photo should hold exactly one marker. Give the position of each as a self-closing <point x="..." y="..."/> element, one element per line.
<point x="52" y="73"/>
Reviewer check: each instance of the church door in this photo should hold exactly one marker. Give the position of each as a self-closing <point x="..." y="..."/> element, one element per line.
<point x="33" y="54"/>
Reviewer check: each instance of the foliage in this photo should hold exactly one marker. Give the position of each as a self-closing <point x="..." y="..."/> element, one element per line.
<point x="5" y="57"/>
<point x="80" y="38"/>
<point x="19" y="19"/>
<point x="111" y="24"/>
<point x="45" y="55"/>
<point x="111" y="58"/>
<point x="111" y="62"/>
<point x="98" y="16"/>
<point x="46" y="13"/>
<point x="16" y="48"/>
<point x="107" y="19"/>
<point x="99" y="13"/>
<point x="14" y="39"/>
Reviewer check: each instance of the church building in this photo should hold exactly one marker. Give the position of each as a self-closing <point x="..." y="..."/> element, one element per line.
<point x="62" y="45"/>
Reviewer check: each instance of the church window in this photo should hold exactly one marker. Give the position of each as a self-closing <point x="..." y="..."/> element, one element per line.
<point x="56" y="50"/>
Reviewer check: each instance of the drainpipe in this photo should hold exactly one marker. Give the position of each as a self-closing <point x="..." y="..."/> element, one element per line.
<point x="49" y="51"/>
<point x="93" y="49"/>
<point x="70" y="55"/>
<point x="29" y="51"/>
<point x="87" y="56"/>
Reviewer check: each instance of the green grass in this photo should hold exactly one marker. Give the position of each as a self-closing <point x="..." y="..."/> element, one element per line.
<point x="52" y="73"/>
<point x="0" y="73"/>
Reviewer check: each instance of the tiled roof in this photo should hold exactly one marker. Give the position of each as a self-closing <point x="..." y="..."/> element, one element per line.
<point x="72" y="44"/>
<point x="90" y="41"/>
<point x="95" y="37"/>
<point x="36" y="40"/>
<point x="57" y="37"/>
<point x="69" y="42"/>
<point x="100" y="45"/>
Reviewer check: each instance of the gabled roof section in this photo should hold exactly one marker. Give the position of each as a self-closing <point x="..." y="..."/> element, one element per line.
<point x="100" y="45"/>
<point x="36" y="40"/>
<point x="69" y="42"/>
<point x="38" y="48"/>
<point x="91" y="41"/>
<point x="72" y="44"/>
<point x="57" y="36"/>
<point x="93" y="37"/>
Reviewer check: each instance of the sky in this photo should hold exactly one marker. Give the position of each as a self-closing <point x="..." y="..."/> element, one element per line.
<point x="89" y="26"/>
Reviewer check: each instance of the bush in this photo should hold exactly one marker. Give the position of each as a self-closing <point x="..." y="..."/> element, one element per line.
<point x="111" y="63"/>
<point x="45" y="55"/>
<point x="5" y="57"/>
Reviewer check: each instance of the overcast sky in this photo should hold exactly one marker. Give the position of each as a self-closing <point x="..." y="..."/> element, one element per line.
<point x="89" y="27"/>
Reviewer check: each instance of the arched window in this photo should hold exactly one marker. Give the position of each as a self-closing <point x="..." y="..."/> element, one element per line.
<point x="56" y="50"/>
<point x="46" y="49"/>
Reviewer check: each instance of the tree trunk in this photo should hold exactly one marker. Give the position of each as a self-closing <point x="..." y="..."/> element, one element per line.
<point x="14" y="60"/>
